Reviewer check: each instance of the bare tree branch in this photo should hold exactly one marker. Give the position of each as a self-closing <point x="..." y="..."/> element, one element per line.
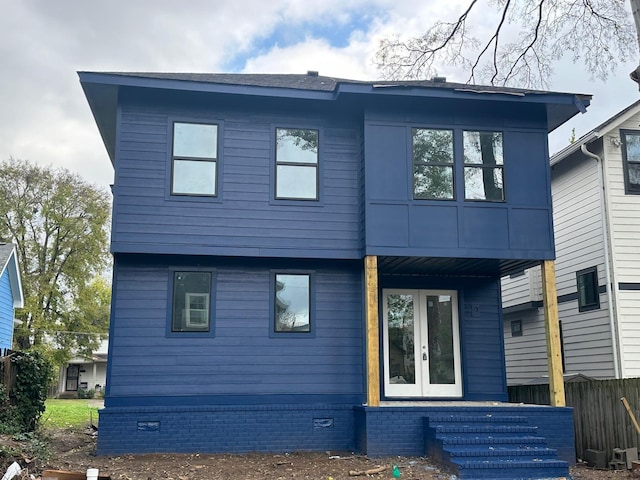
<point x="528" y="38"/>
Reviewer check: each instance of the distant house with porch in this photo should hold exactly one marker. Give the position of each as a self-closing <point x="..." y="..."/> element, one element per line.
<point x="11" y="296"/>
<point x="82" y="373"/>
<point x="310" y="263"/>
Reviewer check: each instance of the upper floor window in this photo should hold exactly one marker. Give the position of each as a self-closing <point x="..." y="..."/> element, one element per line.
<point x="296" y="164"/>
<point x="588" y="291"/>
<point x="432" y="164"/>
<point x="483" y="165"/>
<point x="292" y="303"/>
<point x="191" y="302"/>
<point x="194" y="159"/>
<point x="631" y="160"/>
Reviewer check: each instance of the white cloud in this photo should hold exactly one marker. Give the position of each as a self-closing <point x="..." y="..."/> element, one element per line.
<point x="45" y="117"/>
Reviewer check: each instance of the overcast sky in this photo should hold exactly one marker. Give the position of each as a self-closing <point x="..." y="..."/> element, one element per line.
<point x="45" y="118"/>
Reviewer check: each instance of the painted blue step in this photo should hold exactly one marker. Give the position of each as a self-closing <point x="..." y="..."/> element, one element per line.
<point x="487" y="418"/>
<point x="522" y="440"/>
<point x="513" y="469"/>
<point x="490" y="451"/>
<point x="490" y="429"/>
<point x="491" y="446"/>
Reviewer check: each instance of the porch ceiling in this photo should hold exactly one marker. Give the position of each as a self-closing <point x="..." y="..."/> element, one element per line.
<point x="474" y="267"/>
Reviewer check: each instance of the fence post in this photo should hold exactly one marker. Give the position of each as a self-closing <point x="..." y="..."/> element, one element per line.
<point x="7" y="373"/>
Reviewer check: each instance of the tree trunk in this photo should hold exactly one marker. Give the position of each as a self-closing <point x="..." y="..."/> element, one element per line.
<point x="491" y="190"/>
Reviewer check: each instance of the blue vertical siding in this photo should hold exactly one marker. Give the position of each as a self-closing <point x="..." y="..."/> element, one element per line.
<point x="397" y="225"/>
<point x="242" y="363"/>
<point x="244" y="219"/>
<point x="6" y="311"/>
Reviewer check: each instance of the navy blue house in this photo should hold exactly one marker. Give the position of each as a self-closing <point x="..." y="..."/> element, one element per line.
<point x="309" y="263"/>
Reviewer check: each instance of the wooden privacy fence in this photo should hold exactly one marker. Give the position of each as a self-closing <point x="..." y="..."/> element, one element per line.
<point x="600" y="419"/>
<point x="8" y="371"/>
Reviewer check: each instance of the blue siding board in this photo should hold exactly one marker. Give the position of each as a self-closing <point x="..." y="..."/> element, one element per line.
<point x="484" y="228"/>
<point x="246" y="157"/>
<point x="241" y="358"/>
<point x="6" y="311"/>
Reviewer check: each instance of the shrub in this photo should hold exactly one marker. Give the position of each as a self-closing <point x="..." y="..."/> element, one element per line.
<point x="30" y="390"/>
<point x="9" y="422"/>
<point x="82" y="393"/>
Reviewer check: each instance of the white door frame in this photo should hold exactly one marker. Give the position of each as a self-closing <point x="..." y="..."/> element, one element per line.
<point x="422" y="388"/>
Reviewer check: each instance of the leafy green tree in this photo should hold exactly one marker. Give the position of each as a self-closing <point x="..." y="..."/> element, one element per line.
<point x="528" y="36"/>
<point x="59" y="223"/>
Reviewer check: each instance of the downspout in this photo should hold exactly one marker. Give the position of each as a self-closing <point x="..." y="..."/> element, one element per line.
<point x="607" y="263"/>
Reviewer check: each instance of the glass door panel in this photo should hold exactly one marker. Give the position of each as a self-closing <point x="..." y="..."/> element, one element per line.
<point x="400" y="334"/>
<point x="421" y="344"/>
<point x="443" y="345"/>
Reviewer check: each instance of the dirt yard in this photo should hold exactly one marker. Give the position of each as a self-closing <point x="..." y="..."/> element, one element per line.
<point x="76" y="451"/>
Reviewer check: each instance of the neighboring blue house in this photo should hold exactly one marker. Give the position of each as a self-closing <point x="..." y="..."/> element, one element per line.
<point x="10" y="292"/>
<point x="297" y="256"/>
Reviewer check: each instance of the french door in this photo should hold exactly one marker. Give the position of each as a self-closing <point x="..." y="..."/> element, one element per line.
<point x="421" y="344"/>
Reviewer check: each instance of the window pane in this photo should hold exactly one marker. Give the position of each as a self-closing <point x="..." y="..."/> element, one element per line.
<point x="194" y="177"/>
<point x="191" y="301"/>
<point x="432" y="182"/>
<point x="294" y="181"/>
<point x="440" y="333"/>
<point x="292" y="303"/>
<point x="482" y="148"/>
<point x="194" y="140"/>
<point x="432" y="146"/>
<point x="296" y="146"/>
<point x="634" y="175"/>
<point x="588" y="295"/>
<point x="482" y="183"/>
<point x="400" y="317"/>
<point x="633" y="147"/>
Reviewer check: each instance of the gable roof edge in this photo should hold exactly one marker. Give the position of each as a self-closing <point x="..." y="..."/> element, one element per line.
<point x="598" y="132"/>
<point x="11" y="265"/>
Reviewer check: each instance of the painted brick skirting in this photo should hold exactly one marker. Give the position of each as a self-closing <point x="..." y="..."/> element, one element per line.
<point x="375" y="431"/>
<point x="237" y="429"/>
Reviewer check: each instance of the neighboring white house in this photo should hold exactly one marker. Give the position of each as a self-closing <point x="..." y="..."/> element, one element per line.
<point x="84" y="373"/>
<point x="595" y="184"/>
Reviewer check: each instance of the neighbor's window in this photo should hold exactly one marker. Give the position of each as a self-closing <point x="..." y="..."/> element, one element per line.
<point x="296" y="164"/>
<point x="588" y="295"/>
<point x="483" y="165"/>
<point x="292" y="303"/>
<point x="631" y="159"/>
<point x="191" y="302"/>
<point x="194" y="159"/>
<point x="516" y="328"/>
<point x="432" y="164"/>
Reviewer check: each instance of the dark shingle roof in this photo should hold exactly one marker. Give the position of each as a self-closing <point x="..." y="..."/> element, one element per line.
<point x="5" y="252"/>
<point x="316" y="82"/>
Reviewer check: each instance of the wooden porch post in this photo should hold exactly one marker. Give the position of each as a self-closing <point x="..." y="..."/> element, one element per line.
<point x="552" y="330"/>
<point x="373" y="362"/>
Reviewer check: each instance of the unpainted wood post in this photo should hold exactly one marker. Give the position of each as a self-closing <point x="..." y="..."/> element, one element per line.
<point x="373" y="355"/>
<point x="552" y="330"/>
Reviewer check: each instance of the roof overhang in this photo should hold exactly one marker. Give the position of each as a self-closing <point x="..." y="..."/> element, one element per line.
<point x="102" y="89"/>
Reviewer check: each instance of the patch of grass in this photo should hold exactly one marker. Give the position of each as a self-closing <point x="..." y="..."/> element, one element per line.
<point x="68" y="413"/>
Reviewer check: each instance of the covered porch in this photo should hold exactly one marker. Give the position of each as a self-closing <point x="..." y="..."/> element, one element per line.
<point x="448" y="397"/>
